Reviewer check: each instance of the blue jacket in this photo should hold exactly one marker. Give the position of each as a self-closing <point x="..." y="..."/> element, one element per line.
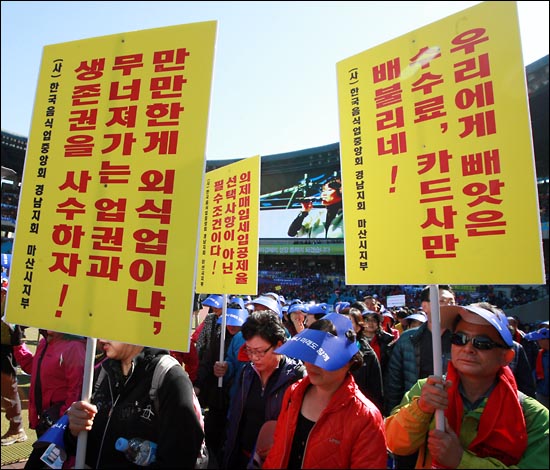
<point x="234" y="366"/>
<point x="404" y="366"/>
<point x="292" y="371"/>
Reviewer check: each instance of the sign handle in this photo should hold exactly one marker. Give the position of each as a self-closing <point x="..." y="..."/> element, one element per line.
<point x="86" y="395"/>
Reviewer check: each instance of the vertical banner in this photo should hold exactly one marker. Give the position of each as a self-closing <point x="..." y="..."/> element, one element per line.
<point x="437" y="159"/>
<point x="228" y="252"/>
<point x="110" y="203"/>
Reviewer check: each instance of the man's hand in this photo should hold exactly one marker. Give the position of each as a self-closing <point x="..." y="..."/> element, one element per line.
<point x="220" y="368"/>
<point x="298" y="320"/>
<point x="81" y="417"/>
<point x="434" y="395"/>
<point x="445" y="447"/>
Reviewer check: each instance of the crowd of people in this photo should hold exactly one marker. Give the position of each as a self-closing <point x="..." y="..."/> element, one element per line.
<point x="10" y="202"/>
<point x="326" y="285"/>
<point x="299" y="384"/>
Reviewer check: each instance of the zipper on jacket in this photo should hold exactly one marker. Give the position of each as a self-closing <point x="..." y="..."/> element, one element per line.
<point x="114" y="402"/>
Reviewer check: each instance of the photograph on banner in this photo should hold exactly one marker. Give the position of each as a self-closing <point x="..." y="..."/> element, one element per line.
<point x="302" y="203"/>
<point x="109" y="210"/>
<point x="228" y="241"/>
<point x="437" y="159"/>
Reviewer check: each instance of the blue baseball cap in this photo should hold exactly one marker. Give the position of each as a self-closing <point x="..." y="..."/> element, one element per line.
<point x="321" y="348"/>
<point x="317" y="309"/>
<point x="236" y="313"/>
<point x="541" y="333"/>
<point x="213" y="300"/>
<point x="297" y="307"/>
<point x="341" y="306"/>
<point x="268" y="302"/>
<point x="478" y="315"/>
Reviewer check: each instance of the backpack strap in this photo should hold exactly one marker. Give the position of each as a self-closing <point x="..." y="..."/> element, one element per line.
<point x="164" y="364"/>
<point x="102" y="374"/>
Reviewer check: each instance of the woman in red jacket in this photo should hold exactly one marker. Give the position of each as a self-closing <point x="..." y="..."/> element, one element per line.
<point x="325" y="420"/>
<point x="57" y="371"/>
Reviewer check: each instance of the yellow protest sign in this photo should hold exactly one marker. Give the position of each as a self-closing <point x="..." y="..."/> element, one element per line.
<point x="436" y="152"/>
<point x="228" y="253"/>
<point x="109" y="211"/>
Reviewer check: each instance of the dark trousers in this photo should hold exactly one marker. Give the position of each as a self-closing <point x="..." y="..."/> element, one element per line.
<point x="215" y="423"/>
<point x="405" y="461"/>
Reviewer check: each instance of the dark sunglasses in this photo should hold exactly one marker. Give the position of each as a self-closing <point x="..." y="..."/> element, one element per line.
<point x="479" y="342"/>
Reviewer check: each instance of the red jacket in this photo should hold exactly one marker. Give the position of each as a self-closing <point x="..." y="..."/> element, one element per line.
<point x="189" y="360"/>
<point x="349" y="433"/>
<point x="61" y="372"/>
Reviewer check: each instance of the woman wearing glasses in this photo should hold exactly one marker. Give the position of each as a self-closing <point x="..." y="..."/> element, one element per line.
<point x="261" y="386"/>
<point x="488" y="422"/>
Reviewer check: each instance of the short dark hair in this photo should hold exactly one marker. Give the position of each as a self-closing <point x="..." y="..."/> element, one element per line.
<point x="375" y="315"/>
<point x="359" y="305"/>
<point x="335" y="183"/>
<point x="266" y="324"/>
<point x="425" y="294"/>
<point x="402" y="313"/>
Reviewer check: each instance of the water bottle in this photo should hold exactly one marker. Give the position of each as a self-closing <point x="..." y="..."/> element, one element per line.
<point x="138" y="451"/>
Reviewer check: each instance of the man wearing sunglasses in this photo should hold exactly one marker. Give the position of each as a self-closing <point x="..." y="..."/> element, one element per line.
<point x="412" y="359"/>
<point x="488" y="422"/>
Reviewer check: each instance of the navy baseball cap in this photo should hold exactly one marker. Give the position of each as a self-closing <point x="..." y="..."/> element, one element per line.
<point x="321" y="348"/>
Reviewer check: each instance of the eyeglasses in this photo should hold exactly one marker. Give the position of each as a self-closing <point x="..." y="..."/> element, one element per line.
<point x="479" y="342"/>
<point x="254" y="353"/>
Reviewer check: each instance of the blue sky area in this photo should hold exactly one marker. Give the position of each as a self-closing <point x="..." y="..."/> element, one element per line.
<point x="274" y="87"/>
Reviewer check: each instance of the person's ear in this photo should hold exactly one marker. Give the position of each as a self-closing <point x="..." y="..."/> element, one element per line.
<point x="509" y="356"/>
<point x="425" y="306"/>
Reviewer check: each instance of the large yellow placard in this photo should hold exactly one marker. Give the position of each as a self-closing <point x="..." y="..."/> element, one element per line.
<point x="109" y="212"/>
<point x="438" y="168"/>
<point x="228" y="254"/>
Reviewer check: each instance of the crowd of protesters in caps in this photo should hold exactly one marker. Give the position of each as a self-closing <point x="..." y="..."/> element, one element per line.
<point x="299" y="383"/>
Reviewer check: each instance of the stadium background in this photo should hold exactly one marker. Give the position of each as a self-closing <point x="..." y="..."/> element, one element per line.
<point x="314" y="269"/>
